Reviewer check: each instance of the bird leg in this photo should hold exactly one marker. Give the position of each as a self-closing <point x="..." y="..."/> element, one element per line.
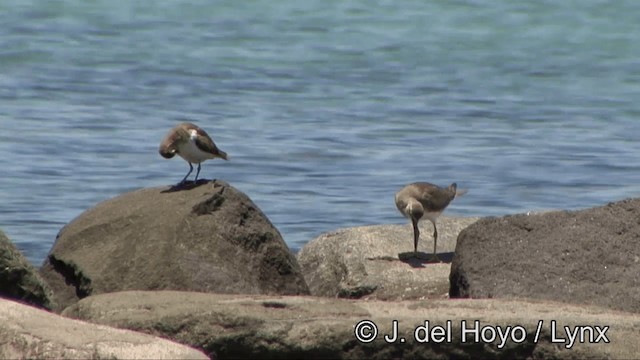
<point x="416" y="235"/>
<point x="186" y="176"/>
<point x="197" y="172"/>
<point x="435" y="241"/>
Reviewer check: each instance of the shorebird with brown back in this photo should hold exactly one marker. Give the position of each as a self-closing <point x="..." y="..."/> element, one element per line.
<point x="192" y="143"/>
<point x="422" y="200"/>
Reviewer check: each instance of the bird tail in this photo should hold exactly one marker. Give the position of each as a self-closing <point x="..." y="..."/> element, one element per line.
<point x="457" y="192"/>
<point x="461" y="192"/>
<point x="223" y="154"/>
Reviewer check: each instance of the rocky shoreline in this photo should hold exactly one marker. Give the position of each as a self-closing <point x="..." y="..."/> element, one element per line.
<point x="200" y="272"/>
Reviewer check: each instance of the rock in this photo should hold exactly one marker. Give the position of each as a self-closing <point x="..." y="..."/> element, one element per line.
<point x="19" y="280"/>
<point x="364" y="262"/>
<point x="205" y="237"/>
<point x="26" y="332"/>
<point x="588" y="257"/>
<point x="288" y="327"/>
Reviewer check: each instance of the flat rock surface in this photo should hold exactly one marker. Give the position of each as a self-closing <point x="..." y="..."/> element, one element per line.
<point x="29" y="333"/>
<point x="375" y="262"/>
<point x="260" y="326"/>
<point x="206" y="237"/>
<point x="588" y="257"/>
<point x="19" y="280"/>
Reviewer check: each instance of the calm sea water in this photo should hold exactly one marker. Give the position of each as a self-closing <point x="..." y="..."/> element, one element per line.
<point x="326" y="108"/>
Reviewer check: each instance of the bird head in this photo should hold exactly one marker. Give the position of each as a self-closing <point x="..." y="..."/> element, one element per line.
<point x="167" y="153"/>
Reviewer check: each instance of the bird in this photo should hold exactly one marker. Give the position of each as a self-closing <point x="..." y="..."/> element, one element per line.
<point x="192" y="143"/>
<point x="423" y="200"/>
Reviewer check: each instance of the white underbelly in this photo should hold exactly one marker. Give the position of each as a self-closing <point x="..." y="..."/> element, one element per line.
<point x="432" y="216"/>
<point x="190" y="152"/>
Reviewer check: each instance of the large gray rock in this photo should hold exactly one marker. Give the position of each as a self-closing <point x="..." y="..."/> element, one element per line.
<point x="207" y="237"/>
<point x="295" y="327"/>
<point x="588" y="257"/>
<point x="19" y="280"/>
<point x="364" y="262"/>
<point x="29" y="333"/>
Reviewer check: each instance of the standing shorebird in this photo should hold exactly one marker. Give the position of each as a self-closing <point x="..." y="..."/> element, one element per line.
<point x="192" y="144"/>
<point x="423" y="200"/>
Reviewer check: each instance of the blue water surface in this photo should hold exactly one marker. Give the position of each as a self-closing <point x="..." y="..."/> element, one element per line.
<point x="326" y="108"/>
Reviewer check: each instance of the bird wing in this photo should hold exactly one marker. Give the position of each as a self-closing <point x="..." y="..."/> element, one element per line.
<point x="204" y="143"/>
<point x="425" y="192"/>
<point x="426" y="199"/>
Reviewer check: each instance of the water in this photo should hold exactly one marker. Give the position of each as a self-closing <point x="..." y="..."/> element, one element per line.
<point x="326" y="108"/>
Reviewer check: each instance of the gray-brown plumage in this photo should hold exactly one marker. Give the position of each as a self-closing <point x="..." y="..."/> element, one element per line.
<point x="192" y="144"/>
<point x="422" y="200"/>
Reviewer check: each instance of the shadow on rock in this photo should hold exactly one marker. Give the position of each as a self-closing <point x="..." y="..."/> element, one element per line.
<point x="419" y="259"/>
<point x="187" y="185"/>
<point x="371" y="257"/>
